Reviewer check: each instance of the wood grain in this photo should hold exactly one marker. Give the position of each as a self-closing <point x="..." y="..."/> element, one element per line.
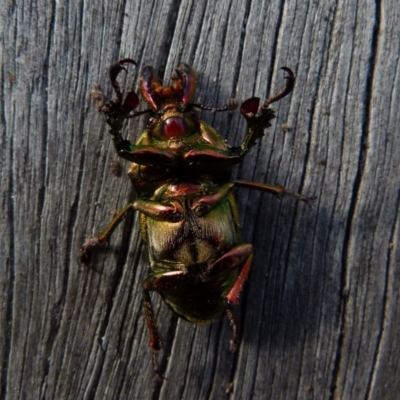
<point x="320" y="313"/>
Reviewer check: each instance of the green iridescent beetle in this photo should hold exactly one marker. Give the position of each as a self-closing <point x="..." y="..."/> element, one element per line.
<point x="180" y="169"/>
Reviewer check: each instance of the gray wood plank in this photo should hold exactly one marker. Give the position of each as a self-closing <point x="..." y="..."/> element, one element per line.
<point x="319" y="314"/>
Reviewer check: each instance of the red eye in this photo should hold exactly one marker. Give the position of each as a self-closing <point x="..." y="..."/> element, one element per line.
<point x="174" y="127"/>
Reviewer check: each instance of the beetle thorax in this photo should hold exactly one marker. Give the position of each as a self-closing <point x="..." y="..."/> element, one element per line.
<point x="173" y="123"/>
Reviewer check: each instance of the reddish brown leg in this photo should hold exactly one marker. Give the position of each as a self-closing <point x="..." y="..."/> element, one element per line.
<point x="239" y="254"/>
<point x="155" y="341"/>
<point x="233" y="258"/>
<point x="233" y="295"/>
<point x="279" y="191"/>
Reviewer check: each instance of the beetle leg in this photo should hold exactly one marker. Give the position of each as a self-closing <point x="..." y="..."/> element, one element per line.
<point x="119" y="108"/>
<point x="258" y="116"/>
<point x="205" y="156"/>
<point x="85" y="252"/>
<point x="233" y="295"/>
<point x="229" y="261"/>
<point x="231" y="104"/>
<point x="171" y="211"/>
<point x="205" y="204"/>
<point x="233" y="298"/>
<point x="277" y="190"/>
<point x="148" y="155"/>
<point x="241" y="254"/>
<point x="155" y="341"/>
<point x="235" y="330"/>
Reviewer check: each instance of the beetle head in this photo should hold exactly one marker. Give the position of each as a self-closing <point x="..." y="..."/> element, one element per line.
<point x="170" y="104"/>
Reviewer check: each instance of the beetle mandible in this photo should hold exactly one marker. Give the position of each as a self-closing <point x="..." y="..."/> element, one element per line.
<point x="180" y="169"/>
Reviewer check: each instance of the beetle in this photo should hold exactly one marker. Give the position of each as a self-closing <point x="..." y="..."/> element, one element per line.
<point x="181" y="170"/>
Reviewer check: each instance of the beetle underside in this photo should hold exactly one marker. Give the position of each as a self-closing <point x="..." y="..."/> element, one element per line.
<point x="180" y="169"/>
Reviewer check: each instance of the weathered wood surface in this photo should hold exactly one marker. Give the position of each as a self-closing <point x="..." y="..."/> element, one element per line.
<point x="320" y="313"/>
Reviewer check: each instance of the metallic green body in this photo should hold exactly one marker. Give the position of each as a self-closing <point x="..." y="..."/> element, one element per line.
<point x="180" y="169"/>
<point x="184" y="244"/>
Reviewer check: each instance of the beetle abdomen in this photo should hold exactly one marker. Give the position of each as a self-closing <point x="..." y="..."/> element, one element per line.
<point x="191" y="241"/>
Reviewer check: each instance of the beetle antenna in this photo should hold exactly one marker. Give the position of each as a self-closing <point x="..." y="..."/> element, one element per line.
<point x="231" y="104"/>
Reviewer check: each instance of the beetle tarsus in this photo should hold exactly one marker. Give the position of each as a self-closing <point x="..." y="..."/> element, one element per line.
<point x="85" y="252"/>
<point x="310" y="200"/>
<point x="231" y="104"/>
<point x="156" y="367"/>
<point x="234" y="341"/>
<point x="277" y="190"/>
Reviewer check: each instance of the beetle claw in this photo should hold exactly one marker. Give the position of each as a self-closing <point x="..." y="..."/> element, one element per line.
<point x="85" y="252"/>
<point x="309" y="200"/>
<point x="156" y="367"/>
<point x="233" y="344"/>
